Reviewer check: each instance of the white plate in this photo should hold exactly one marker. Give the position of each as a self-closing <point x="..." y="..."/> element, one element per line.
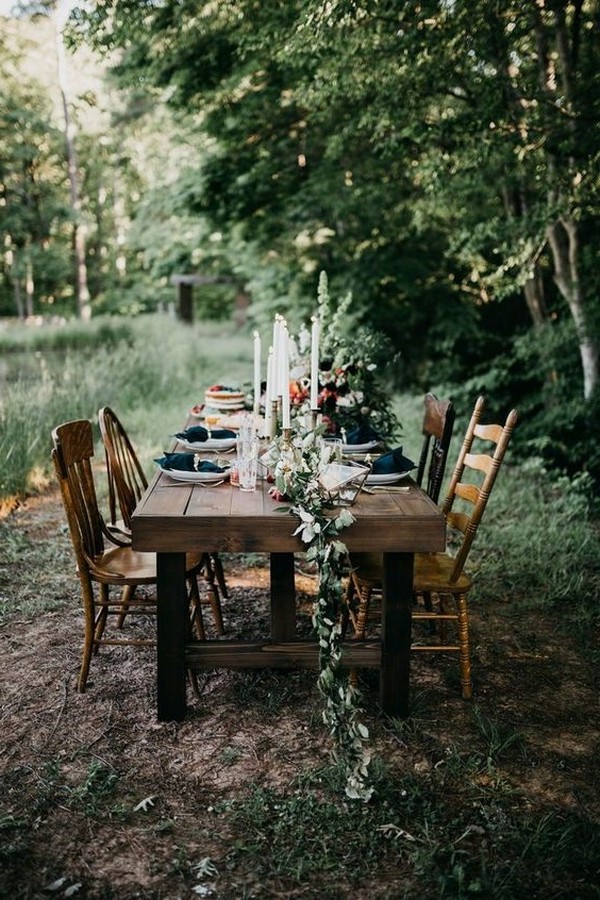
<point x="389" y="478"/>
<point x="209" y="444"/>
<point x="195" y="477"/>
<point x="359" y="448"/>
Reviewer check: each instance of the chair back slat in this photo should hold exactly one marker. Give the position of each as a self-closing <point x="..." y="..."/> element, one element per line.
<point x="475" y="495"/>
<point x="488" y="432"/>
<point x="438" y="425"/>
<point x="469" y="492"/>
<point x="126" y="479"/>
<point x="478" y="461"/>
<point x="458" y="520"/>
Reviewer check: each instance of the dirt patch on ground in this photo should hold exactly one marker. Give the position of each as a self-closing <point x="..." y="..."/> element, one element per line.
<point x="100" y="800"/>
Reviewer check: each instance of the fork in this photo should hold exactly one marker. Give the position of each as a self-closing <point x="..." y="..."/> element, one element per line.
<point x="383" y="487"/>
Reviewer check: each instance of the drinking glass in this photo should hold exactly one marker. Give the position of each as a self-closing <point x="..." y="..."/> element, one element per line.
<point x="247" y="463"/>
<point x="247" y="429"/>
<point x="335" y="448"/>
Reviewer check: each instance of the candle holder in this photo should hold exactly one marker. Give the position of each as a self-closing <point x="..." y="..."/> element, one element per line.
<point x="286" y="438"/>
<point x="314" y="418"/>
<point x="341" y="483"/>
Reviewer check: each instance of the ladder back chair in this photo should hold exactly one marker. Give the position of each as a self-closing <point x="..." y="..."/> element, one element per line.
<point x="126" y="484"/>
<point x="102" y="563"/>
<point x="438" y="425"/>
<point x="441" y="584"/>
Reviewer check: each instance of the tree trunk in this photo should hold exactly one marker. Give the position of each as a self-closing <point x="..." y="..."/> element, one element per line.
<point x="79" y="238"/>
<point x="515" y="205"/>
<point x="533" y="290"/>
<point x="564" y="243"/>
<point x="556" y="67"/>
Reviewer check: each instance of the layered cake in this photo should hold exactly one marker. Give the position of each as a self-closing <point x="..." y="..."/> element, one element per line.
<point x="220" y="396"/>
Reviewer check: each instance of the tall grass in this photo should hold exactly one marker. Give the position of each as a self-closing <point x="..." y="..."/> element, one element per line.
<point x="150" y="372"/>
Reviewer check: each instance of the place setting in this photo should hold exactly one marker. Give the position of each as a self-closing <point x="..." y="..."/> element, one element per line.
<point x="200" y="437"/>
<point x="192" y="468"/>
<point x="362" y="439"/>
<point x="389" y="469"/>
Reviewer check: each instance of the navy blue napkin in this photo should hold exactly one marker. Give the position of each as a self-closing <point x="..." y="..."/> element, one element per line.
<point x="391" y="462"/>
<point x="185" y="463"/>
<point x="198" y="433"/>
<point x="362" y="434"/>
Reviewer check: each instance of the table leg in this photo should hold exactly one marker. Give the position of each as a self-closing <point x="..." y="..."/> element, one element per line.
<point x="283" y="597"/>
<point x="394" y="685"/>
<point x="171" y="632"/>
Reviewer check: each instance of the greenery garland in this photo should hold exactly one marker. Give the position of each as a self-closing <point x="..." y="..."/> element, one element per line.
<point x="297" y="463"/>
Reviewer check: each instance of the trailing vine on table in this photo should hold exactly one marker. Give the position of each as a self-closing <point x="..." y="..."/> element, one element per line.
<point x="297" y="463"/>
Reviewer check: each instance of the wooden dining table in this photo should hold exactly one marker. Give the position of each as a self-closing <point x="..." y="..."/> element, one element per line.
<point x="173" y="518"/>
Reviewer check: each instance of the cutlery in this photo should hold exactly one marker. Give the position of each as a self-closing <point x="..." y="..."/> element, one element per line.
<point x="202" y="484"/>
<point x="383" y="487"/>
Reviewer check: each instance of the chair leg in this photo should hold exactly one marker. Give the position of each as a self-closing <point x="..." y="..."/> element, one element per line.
<point x="215" y="605"/>
<point x="219" y="574"/>
<point x="88" y="637"/>
<point x="195" y="624"/>
<point x="346" y="606"/>
<point x="196" y="620"/>
<point x="127" y="597"/>
<point x="101" y="618"/>
<point x="365" y="591"/>
<point x="84" y="668"/>
<point x="463" y="640"/>
<point x="358" y="618"/>
<point x="345" y="621"/>
<point x="213" y="594"/>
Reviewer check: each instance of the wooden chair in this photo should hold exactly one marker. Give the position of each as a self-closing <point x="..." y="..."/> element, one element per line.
<point x="101" y="562"/>
<point x="440" y="583"/>
<point x="438" y="425"/>
<point x="126" y="484"/>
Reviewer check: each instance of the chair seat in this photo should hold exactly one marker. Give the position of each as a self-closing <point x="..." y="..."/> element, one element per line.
<point x="121" y="565"/>
<point x="432" y="572"/>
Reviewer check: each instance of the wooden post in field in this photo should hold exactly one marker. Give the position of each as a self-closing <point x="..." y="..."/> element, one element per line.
<point x="184" y="287"/>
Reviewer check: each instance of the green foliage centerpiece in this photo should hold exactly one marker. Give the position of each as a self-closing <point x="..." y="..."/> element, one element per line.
<point x="298" y="462"/>
<point x="355" y="360"/>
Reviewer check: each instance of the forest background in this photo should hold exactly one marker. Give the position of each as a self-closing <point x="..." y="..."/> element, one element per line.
<point x="438" y="160"/>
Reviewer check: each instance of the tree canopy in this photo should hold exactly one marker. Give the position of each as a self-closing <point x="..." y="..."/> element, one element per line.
<point x="438" y="159"/>
<point x="429" y="155"/>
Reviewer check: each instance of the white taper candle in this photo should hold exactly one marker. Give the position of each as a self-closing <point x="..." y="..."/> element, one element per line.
<point x="269" y="395"/>
<point x="257" y="352"/>
<point x="314" y="363"/>
<point x="276" y="354"/>
<point x="285" y="378"/>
